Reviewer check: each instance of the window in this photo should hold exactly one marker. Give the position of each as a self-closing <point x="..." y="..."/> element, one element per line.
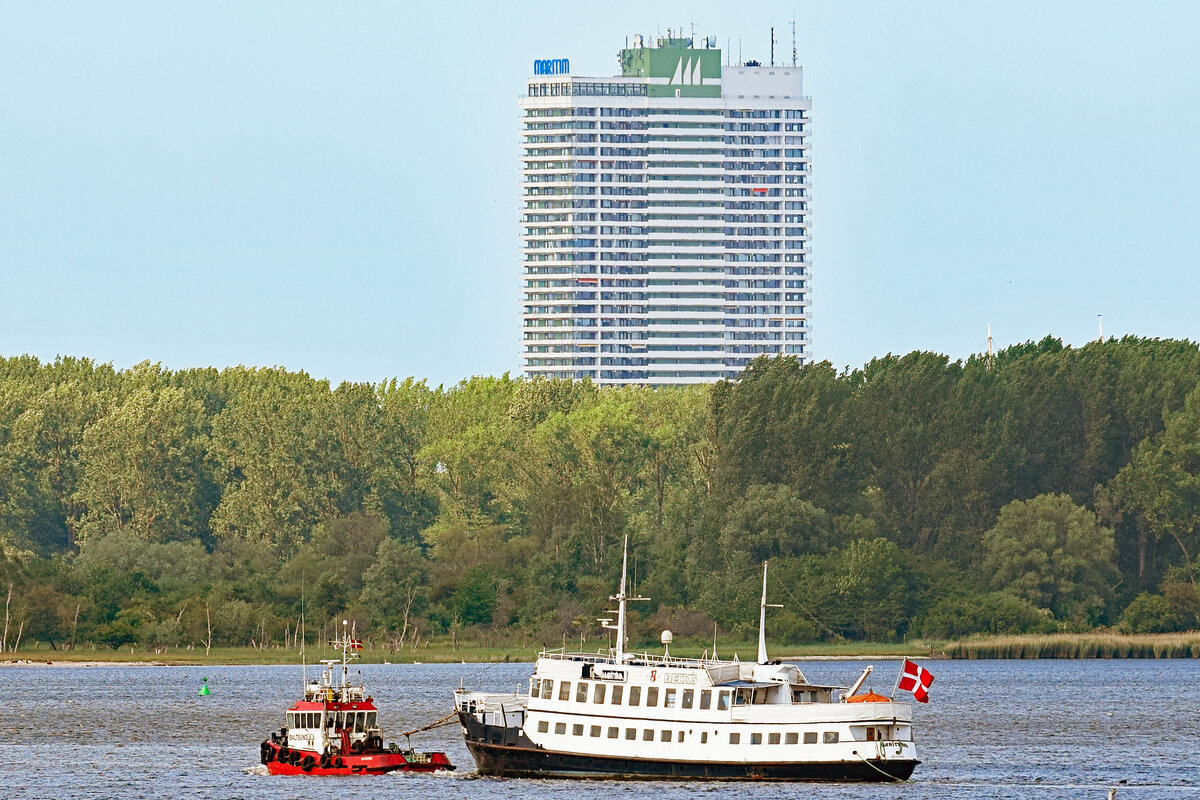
<point x="735" y="738"/>
<point x="756" y="738"/>
<point x="679" y="737"/>
<point x="772" y="738"/>
<point x="669" y="698"/>
<point x="704" y="737"/>
<point x="560" y="727"/>
<point x="581" y="693"/>
<point x="706" y="699"/>
<point x="687" y="698"/>
<point x="372" y="720"/>
<point x="535" y="686"/>
<point x="810" y="737"/>
<point x="631" y="733"/>
<point x="564" y="690"/>
<point x="616" y="695"/>
<point x="647" y="735"/>
<point x="791" y="738"/>
<point x="577" y="730"/>
<point x="664" y="736"/>
<point x="652" y="696"/>
<point x="635" y="695"/>
<point x="594" y="731"/>
<point x="831" y="737"/>
<point x="543" y="726"/>
<point x="547" y="689"/>
<point x="723" y="701"/>
<point x="612" y="732"/>
<point x="598" y="695"/>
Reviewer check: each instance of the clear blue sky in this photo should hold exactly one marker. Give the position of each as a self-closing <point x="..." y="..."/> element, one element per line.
<point x="332" y="187"/>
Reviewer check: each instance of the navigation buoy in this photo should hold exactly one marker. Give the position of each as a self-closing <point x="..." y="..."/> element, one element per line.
<point x="204" y="692"/>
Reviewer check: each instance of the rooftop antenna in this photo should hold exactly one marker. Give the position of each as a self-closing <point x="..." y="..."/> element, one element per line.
<point x="728" y="51"/>
<point x="772" y="45"/>
<point x="1100" y="320"/>
<point x="990" y="353"/>
<point x="740" y="53"/>
<point x="762" y="619"/>
<point x="793" y="40"/>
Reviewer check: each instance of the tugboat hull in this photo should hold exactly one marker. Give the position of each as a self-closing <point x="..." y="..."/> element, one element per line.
<point x="284" y="761"/>
<point x="507" y="752"/>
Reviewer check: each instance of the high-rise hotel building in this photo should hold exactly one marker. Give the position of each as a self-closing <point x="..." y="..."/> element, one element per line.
<point x="664" y="221"/>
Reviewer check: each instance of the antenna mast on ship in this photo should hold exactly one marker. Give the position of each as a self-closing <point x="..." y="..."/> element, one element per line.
<point x="621" y="599"/>
<point x="762" y="619"/>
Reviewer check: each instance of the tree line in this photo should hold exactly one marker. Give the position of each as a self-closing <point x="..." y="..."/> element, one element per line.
<point x="1047" y="488"/>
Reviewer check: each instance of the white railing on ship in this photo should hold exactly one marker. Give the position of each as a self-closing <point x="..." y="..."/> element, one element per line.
<point x="609" y="657"/>
<point x="483" y="703"/>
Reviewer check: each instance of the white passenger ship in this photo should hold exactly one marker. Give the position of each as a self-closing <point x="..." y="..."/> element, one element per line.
<point x="619" y="714"/>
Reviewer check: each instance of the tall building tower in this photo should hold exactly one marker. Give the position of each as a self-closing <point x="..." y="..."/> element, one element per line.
<point x="664" y="233"/>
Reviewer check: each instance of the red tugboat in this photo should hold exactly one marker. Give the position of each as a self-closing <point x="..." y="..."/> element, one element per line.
<point x="335" y="730"/>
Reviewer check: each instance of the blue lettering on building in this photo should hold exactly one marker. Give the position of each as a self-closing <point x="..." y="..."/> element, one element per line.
<point x="552" y="66"/>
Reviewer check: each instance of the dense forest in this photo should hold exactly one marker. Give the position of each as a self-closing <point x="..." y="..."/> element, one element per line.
<point x="1048" y="488"/>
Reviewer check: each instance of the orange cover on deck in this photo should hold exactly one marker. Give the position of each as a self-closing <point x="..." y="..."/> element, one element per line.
<point x="869" y="697"/>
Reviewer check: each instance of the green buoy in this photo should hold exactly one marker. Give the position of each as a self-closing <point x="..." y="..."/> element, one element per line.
<point x="204" y="692"/>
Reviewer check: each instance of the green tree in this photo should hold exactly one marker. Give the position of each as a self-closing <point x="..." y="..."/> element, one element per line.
<point x="1054" y="554"/>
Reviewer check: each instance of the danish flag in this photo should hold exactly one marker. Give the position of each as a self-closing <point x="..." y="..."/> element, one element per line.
<point x="916" y="679"/>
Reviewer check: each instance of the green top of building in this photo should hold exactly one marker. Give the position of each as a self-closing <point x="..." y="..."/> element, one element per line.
<point x="675" y="68"/>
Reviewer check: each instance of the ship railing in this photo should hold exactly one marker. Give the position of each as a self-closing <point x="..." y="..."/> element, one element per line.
<point x="483" y="702"/>
<point x="633" y="659"/>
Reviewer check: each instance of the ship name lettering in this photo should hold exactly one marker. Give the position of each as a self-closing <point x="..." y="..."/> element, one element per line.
<point x="678" y="677"/>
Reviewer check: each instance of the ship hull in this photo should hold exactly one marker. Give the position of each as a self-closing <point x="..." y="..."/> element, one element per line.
<point x="284" y="761"/>
<point x="507" y="752"/>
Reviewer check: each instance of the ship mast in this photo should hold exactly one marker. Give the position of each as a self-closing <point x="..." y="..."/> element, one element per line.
<point x="621" y="599"/>
<point x="762" y="619"/>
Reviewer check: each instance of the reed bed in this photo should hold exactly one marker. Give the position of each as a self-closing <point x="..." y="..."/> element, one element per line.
<point x="1079" y="645"/>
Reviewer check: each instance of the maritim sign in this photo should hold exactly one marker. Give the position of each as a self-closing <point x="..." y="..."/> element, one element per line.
<point x="552" y="66"/>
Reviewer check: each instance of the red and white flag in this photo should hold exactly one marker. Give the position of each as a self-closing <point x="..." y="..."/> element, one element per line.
<point x="916" y="679"/>
<point x="356" y="644"/>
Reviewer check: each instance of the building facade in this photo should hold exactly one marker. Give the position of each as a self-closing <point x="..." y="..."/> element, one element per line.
<point x="664" y="221"/>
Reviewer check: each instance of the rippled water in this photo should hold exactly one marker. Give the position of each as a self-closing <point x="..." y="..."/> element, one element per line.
<point x="994" y="729"/>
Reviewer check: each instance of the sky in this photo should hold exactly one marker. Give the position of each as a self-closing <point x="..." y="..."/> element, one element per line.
<point x="333" y="187"/>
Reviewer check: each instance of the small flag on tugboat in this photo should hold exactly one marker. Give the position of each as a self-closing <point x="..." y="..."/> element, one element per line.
<point x="916" y="679"/>
<point x="356" y="644"/>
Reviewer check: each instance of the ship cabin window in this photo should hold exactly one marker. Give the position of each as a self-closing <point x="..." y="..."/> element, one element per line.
<point x="679" y="737"/>
<point x="547" y="689"/>
<point x="560" y="727"/>
<point x="577" y="730"/>
<point x="723" y="701"/>
<point x="564" y="690"/>
<point x="598" y="695"/>
<point x="687" y="698"/>
<point x="705" y="699"/>
<point x="631" y="733"/>
<point x="647" y="735"/>
<point x="756" y="738"/>
<point x="810" y="737"/>
<point x="652" y="696"/>
<point x="772" y="738"/>
<point x="800" y="696"/>
<point x="735" y="738"/>
<point x="594" y="732"/>
<point x="742" y="697"/>
<point x="635" y="695"/>
<point x="791" y="738"/>
<point x="360" y="722"/>
<point x="612" y="732"/>
<point x="535" y="686"/>
<point x="616" y="695"/>
<point x="664" y="736"/>
<point x="372" y="719"/>
<point x="831" y="737"/>
<point x="870" y="734"/>
<point x="669" y="698"/>
<point x="704" y="737"/>
<point x="581" y="693"/>
<point x="543" y="726"/>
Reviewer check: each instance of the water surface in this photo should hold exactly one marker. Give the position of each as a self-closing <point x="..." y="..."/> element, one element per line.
<point x="993" y="729"/>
